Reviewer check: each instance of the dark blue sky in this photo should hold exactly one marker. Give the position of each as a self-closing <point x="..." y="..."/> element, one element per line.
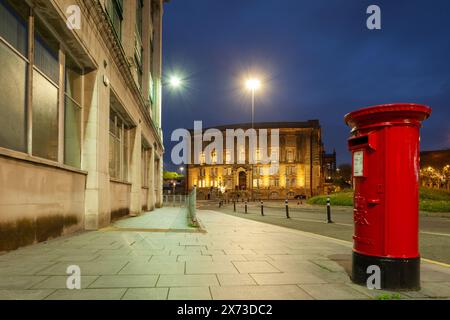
<point x="317" y="58"/>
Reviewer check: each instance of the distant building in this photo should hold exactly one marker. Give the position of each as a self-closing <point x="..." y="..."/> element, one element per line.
<point x="300" y="172"/>
<point x="329" y="171"/>
<point x="80" y="115"/>
<point x="329" y="166"/>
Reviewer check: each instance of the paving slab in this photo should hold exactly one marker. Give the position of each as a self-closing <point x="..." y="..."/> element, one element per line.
<point x="20" y="282"/>
<point x="226" y="280"/>
<point x="337" y="291"/>
<point x="206" y="267"/>
<point x="286" y="278"/>
<point x="146" y="294"/>
<point x="87" y="294"/>
<point x="60" y="282"/>
<point x="187" y="281"/>
<point x="235" y="259"/>
<point x="190" y="293"/>
<point x="154" y="268"/>
<point x="24" y="294"/>
<point x="259" y="293"/>
<point x="87" y="268"/>
<point x="255" y="267"/>
<point x="125" y="281"/>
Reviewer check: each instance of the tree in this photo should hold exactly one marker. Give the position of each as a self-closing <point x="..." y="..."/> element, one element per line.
<point x="172" y="175"/>
<point x="344" y="176"/>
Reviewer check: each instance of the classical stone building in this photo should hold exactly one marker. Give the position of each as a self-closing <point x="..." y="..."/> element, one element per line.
<point x="80" y="115"/>
<point x="299" y="171"/>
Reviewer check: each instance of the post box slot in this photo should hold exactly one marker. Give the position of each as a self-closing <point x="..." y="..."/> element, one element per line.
<point x="359" y="141"/>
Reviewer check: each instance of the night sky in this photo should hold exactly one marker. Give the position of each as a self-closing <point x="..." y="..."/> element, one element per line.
<point x="317" y="60"/>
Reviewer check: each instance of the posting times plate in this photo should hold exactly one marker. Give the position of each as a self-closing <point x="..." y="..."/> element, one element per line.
<point x="358" y="164"/>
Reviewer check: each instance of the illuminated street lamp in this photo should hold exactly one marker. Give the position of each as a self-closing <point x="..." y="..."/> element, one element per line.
<point x="175" y="82"/>
<point x="253" y="85"/>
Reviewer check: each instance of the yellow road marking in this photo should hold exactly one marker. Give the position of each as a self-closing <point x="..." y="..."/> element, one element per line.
<point x="442" y="264"/>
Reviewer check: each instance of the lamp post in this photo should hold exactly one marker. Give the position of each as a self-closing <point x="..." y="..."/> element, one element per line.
<point x="253" y="84"/>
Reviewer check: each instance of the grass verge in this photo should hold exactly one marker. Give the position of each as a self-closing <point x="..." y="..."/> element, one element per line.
<point x="431" y="200"/>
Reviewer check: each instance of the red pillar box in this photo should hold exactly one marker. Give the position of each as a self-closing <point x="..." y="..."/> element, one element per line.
<point x="385" y="148"/>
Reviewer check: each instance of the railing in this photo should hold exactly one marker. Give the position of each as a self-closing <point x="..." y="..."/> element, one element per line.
<point x="174" y="200"/>
<point x="191" y="203"/>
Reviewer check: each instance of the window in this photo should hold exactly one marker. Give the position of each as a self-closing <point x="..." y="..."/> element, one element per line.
<point x="275" y="155"/>
<point x="257" y="156"/>
<point x="72" y="117"/>
<point x="45" y="118"/>
<point x="291" y="183"/>
<point x="14" y="27"/>
<point x="227" y="157"/>
<point x="241" y="156"/>
<point x="290" y="156"/>
<point x="145" y="165"/>
<point x="118" y="148"/>
<point x="45" y="109"/>
<point x="139" y="49"/>
<point x="274" y="182"/>
<point x="45" y="94"/>
<point x="114" y="8"/>
<point x="290" y="170"/>
<point x="139" y="16"/>
<point x="202" y="158"/>
<point x="13" y="75"/>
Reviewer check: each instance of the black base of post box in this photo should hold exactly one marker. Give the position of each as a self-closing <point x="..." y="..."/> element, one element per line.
<point x="396" y="274"/>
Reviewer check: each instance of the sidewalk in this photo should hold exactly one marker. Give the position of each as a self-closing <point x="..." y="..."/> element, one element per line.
<point x="235" y="259"/>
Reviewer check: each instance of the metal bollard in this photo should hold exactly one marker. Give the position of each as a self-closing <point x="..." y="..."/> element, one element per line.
<point x="329" y="210"/>
<point x="262" y="208"/>
<point x="245" y="206"/>
<point x="234" y="205"/>
<point x="287" y="208"/>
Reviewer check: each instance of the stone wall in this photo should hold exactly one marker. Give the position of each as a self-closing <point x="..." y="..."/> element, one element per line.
<point x="38" y="202"/>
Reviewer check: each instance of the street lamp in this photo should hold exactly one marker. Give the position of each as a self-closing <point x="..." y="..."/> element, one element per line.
<point x="175" y="82"/>
<point x="253" y="85"/>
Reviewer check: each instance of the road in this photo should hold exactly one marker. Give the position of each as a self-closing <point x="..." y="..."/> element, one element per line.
<point x="434" y="235"/>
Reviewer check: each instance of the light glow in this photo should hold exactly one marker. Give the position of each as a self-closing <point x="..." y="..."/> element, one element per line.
<point x="253" y="84"/>
<point x="175" y="82"/>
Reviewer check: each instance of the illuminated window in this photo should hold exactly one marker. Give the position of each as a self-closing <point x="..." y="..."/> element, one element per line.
<point x="202" y="159"/>
<point x="275" y="155"/>
<point x="242" y="156"/>
<point x="228" y="157"/>
<point x="290" y="156"/>
<point x="257" y="156"/>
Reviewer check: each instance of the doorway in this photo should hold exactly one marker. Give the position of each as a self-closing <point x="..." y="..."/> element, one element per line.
<point x="242" y="180"/>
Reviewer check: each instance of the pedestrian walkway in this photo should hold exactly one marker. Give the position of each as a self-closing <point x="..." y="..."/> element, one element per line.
<point x="162" y="220"/>
<point x="235" y="259"/>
